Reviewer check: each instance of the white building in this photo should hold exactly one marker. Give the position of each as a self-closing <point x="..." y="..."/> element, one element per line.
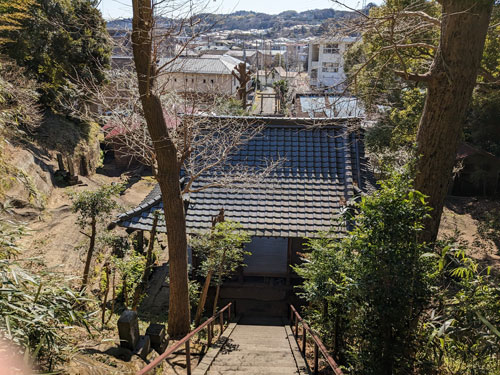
<point x="326" y="61"/>
<point x="211" y="74"/>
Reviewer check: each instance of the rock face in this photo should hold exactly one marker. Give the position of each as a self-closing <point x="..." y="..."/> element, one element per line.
<point x="27" y="180"/>
<point x="31" y="182"/>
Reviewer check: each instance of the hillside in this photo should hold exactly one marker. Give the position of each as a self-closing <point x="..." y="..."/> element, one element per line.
<point x="247" y="20"/>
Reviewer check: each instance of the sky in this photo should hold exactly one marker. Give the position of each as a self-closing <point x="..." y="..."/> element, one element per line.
<point x="112" y="9"/>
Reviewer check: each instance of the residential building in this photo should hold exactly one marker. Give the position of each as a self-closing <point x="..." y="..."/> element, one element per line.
<point x="297" y="55"/>
<point x="209" y="74"/>
<point x="326" y="62"/>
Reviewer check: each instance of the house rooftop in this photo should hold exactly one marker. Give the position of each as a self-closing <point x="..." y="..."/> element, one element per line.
<point x="213" y="64"/>
<point x="322" y="167"/>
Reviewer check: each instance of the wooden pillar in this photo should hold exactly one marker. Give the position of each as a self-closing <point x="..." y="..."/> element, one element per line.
<point x="140" y="241"/>
<point x="60" y="162"/>
<point x="71" y="168"/>
<point x="288" y="261"/>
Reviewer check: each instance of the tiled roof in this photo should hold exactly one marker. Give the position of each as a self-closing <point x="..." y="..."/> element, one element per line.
<point x="323" y="168"/>
<point x="212" y="65"/>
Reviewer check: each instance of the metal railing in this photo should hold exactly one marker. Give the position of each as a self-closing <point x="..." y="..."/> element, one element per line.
<point x="295" y="319"/>
<point x="209" y="324"/>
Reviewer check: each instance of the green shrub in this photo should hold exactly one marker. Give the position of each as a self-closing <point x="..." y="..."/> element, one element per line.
<point x="36" y="309"/>
<point x="386" y="304"/>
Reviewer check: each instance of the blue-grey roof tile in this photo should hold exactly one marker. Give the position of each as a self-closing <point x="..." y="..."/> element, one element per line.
<point x="321" y="167"/>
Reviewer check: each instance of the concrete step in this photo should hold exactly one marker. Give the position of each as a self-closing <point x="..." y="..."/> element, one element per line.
<point x="237" y="364"/>
<point x="260" y="370"/>
<point x="263" y="345"/>
<point x="256" y="346"/>
<point x="282" y="371"/>
<point x="256" y="354"/>
<point x="258" y="350"/>
<point x="267" y="362"/>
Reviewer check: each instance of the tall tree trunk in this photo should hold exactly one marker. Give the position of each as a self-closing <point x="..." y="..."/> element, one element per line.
<point x="90" y="252"/>
<point x="168" y="167"/>
<point x="219" y="281"/>
<point x="203" y="299"/>
<point x="452" y="79"/>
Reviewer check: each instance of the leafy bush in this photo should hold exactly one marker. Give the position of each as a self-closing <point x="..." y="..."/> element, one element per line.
<point x="61" y="44"/>
<point x="385" y="304"/>
<point x="36" y="309"/>
<point x="221" y="249"/>
<point x="221" y="252"/>
<point x="369" y="289"/>
<point x="93" y="207"/>
<point x="459" y="330"/>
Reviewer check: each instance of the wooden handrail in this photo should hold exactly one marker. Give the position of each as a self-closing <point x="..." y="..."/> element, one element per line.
<point x="295" y="319"/>
<point x="185" y="341"/>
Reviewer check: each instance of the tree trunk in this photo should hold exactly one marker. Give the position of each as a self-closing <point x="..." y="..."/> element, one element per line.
<point x="90" y="252"/>
<point x="219" y="281"/>
<point x="168" y="168"/>
<point x="107" y="273"/>
<point x="203" y="299"/>
<point x="452" y="79"/>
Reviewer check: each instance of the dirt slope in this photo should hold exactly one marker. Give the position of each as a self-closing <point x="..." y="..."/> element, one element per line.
<point x="477" y="221"/>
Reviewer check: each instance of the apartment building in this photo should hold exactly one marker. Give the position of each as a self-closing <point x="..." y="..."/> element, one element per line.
<point x="326" y="62"/>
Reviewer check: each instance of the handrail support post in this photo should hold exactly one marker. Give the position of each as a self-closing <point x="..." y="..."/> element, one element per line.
<point x="209" y="334"/>
<point x="296" y="326"/>
<point x="221" y="323"/>
<point x="188" y="357"/>
<point x="316" y="359"/>
<point x="303" y="339"/>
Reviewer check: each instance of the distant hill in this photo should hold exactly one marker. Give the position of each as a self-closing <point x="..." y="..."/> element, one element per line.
<point x="247" y="20"/>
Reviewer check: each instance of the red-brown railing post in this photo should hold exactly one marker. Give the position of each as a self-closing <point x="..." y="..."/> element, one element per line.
<point x="316" y="359"/>
<point x="296" y="326"/>
<point x="221" y="323"/>
<point x="188" y="358"/>
<point x="303" y="339"/>
<point x="209" y="325"/>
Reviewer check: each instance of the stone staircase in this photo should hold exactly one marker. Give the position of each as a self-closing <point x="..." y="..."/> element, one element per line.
<point x="255" y="346"/>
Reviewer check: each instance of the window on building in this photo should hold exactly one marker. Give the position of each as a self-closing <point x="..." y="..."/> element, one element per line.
<point x="212" y="81"/>
<point x="331" y="48"/>
<point x="204" y="81"/>
<point x="329" y="67"/>
<point x="175" y="79"/>
<point x="192" y="80"/>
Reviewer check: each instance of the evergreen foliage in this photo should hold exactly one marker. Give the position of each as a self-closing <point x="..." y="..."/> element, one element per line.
<point x="385" y="305"/>
<point x="61" y="43"/>
<point x="221" y="250"/>
<point x="94" y="207"/>
<point x="375" y="281"/>
<point x="12" y="13"/>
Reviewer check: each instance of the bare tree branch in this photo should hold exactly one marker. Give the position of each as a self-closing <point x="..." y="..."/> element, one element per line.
<point x="422" y="15"/>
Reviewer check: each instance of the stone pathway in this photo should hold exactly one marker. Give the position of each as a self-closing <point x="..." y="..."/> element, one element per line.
<point x="267" y="107"/>
<point x="257" y="346"/>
